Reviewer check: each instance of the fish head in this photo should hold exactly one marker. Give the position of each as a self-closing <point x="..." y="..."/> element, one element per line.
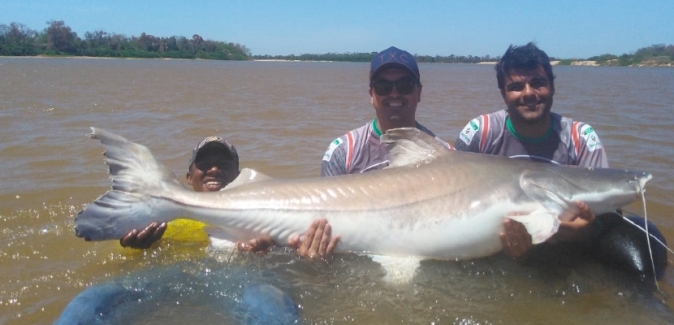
<point x="602" y="189"/>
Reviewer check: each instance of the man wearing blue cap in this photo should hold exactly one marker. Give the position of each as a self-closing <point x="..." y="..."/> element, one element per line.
<point x="395" y="91"/>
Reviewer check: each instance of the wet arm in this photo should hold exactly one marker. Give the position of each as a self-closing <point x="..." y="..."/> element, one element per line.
<point x="145" y="237"/>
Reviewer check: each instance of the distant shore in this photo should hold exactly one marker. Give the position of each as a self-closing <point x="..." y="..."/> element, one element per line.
<point x="586" y="63"/>
<point x="284" y="60"/>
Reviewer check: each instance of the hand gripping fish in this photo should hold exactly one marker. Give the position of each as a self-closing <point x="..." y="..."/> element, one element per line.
<point x="430" y="203"/>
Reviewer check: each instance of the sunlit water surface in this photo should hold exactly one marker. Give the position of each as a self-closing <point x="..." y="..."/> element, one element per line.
<point x="281" y="116"/>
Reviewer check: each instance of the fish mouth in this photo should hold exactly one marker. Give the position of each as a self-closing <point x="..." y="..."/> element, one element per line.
<point x="643" y="179"/>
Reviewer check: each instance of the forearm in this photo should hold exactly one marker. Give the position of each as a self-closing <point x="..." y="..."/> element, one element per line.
<point x="576" y="231"/>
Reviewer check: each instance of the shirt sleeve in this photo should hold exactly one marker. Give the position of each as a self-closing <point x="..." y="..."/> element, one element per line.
<point x="469" y="137"/>
<point x="334" y="159"/>
<point x="591" y="151"/>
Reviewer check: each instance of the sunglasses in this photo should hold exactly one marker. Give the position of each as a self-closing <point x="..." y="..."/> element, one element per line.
<point x="385" y="87"/>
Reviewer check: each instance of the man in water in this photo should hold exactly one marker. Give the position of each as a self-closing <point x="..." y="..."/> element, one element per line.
<point x="528" y="129"/>
<point x="395" y="90"/>
<point x="214" y="164"/>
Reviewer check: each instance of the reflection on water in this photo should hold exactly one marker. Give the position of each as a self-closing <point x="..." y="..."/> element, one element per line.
<point x="281" y="116"/>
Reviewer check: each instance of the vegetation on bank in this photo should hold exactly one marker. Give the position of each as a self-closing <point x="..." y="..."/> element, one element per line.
<point x="651" y="56"/>
<point x="654" y="55"/>
<point x="367" y="57"/>
<point x="59" y="40"/>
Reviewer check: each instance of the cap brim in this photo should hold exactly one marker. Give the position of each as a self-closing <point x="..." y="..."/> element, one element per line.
<point x="390" y="65"/>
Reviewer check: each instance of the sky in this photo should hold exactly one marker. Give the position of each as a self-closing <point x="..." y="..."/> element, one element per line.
<point x="564" y="29"/>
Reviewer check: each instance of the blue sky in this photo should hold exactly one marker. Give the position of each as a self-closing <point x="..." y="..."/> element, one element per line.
<point x="564" y="29"/>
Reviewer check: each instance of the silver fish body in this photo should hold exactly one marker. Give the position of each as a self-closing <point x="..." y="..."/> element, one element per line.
<point x="430" y="202"/>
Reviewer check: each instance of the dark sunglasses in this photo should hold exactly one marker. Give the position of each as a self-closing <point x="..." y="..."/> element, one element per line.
<point x="385" y="87"/>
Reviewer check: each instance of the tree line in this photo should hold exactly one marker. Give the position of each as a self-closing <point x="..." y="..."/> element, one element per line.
<point x="367" y="57"/>
<point x="654" y="55"/>
<point x="58" y="39"/>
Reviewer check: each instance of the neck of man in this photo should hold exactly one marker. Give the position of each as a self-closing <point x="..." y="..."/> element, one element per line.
<point x="383" y="126"/>
<point x="532" y="129"/>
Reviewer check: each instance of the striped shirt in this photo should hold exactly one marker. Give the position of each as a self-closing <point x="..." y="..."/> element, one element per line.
<point x="359" y="151"/>
<point x="567" y="143"/>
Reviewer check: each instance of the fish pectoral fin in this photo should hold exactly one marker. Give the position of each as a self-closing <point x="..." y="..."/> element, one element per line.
<point x="541" y="224"/>
<point x="246" y="176"/>
<point x="407" y="146"/>
<point x="398" y="269"/>
<point x="534" y="186"/>
<point x="224" y="239"/>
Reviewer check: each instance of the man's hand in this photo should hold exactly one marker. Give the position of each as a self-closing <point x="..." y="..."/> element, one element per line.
<point x="515" y="239"/>
<point x="317" y="241"/>
<point x="579" y="224"/>
<point x="144" y="238"/>
<point x="258" y="245"/>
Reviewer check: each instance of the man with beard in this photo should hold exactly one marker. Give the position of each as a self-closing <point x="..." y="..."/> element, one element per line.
<point x="528" y="129"/>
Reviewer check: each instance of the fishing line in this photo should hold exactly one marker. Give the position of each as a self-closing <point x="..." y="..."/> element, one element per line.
<point x="642" y="229"/>
<point x="648" y="235"/>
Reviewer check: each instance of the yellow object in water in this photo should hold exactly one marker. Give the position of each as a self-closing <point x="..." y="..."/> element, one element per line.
<point x="186" y="230"/>
<point x="189" y="234"/>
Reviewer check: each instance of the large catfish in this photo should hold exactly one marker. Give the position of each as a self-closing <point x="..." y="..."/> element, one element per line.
<point x="430" y="203"/>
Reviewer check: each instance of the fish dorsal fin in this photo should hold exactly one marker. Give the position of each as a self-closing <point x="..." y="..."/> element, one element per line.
<point x="246" y="176"/>
<point x="398" y="269"/>
<point x="408" y="146"/>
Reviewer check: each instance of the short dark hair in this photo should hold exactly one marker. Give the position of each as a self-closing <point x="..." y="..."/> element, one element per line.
<point x="527" y="57"/>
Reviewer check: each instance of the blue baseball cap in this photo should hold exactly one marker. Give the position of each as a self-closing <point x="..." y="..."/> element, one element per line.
<point x="391" y="57"/>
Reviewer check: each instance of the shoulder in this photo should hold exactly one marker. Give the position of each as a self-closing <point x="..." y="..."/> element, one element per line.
<point x="346" y="141"/>
<point x="589" y="136"/>
<point x="579" y="131"/>
<point x="479" y="126"/>
<point x="583" y="142"/>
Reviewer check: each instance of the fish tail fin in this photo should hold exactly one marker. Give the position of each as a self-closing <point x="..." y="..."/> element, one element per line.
<point x="135" y="200"/>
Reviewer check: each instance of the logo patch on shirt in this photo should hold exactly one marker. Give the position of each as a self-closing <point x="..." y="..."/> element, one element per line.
<point x="591" y="138"/>
<point x="331" y="148"/>
<point x="469" y="131"/>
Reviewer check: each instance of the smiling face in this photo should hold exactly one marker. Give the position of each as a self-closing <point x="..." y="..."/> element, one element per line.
<point x="395" y="110"/>
<point x="212" y="169"/>
<point x="528" y="96"/>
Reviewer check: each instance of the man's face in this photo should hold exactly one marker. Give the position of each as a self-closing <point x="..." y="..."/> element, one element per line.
<point x="395" y="109"/>
<point x="528" y="95"/>
<point x="212" y="170"/>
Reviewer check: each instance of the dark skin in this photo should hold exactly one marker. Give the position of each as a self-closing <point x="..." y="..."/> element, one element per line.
<point x="144" y="238"/>
<point x="213" y="170"/>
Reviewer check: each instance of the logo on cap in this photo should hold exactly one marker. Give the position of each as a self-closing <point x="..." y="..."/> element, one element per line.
<point x="394" y="56"/>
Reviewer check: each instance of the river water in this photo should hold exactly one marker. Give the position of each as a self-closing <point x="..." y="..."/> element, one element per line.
<point x="282" y="116"/>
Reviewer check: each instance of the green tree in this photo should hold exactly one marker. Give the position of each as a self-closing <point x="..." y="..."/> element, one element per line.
<point x="17" y="39"/>
<point x="60" y="38"/>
